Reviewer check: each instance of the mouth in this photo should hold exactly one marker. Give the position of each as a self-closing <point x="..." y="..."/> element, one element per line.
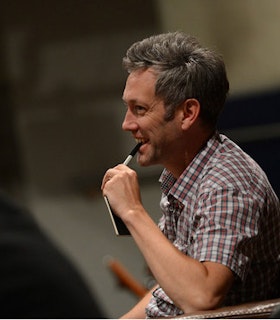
<point x="141" y="140"/>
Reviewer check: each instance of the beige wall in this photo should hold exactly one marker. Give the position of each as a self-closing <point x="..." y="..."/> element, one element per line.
<point x="61" y="61"/>
<point x="246" y="32"/>
<point x="62" y="65"/>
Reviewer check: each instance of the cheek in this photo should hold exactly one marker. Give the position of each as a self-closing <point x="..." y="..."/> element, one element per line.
<point x="158" y="123"/>
<point x="150" y="126"/>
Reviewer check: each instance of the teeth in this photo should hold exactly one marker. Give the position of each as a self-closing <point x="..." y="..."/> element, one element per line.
<point x="140" y="140"/>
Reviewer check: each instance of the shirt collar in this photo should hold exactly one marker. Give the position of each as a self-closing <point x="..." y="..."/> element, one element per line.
<point x="170" y="185"/>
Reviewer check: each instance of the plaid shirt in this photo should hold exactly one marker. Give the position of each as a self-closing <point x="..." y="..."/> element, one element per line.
<point x="223" y="209"/>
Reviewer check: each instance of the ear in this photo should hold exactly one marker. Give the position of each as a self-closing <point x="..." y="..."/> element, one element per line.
<point x="190" y="112"/>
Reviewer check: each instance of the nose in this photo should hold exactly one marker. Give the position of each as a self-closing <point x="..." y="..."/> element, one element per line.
<point x="129" y="122"/>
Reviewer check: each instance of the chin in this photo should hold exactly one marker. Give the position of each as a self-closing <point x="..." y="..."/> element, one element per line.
<point x="145" y="162"/>
<point x="142" y="162"/>
<point x="147" y="159"/>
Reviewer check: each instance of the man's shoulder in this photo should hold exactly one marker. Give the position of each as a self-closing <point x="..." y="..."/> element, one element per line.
<point x="231" y="167"/>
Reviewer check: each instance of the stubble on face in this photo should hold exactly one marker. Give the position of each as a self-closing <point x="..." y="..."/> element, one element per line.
<point x="149" y="124"/>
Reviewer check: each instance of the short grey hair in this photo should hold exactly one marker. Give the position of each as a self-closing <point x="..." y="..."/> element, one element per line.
<point x="185" y="70"/>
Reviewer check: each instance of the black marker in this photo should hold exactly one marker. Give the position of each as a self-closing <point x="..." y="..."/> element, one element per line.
<point x="132" y="153"/>
<point x="119" y="226"/>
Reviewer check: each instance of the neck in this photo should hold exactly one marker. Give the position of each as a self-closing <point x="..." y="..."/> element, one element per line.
<point x="178" y="166"/>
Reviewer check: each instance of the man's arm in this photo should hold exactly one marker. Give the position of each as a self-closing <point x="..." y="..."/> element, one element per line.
<point x="138" y="311"/>
<point x="192" y="285"/>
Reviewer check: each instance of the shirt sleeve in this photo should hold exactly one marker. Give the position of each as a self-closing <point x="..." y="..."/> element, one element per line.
<point x="225" y="224"/>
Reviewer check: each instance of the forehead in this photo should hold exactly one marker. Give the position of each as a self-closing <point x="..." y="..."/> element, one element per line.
<point x="140" y="85"/>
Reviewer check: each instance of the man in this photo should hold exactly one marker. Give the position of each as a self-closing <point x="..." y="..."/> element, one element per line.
<point x="36" y="280"/>
<point x="218" y="241"/>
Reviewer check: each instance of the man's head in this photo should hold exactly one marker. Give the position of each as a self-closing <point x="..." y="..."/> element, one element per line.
<point x="184" y="70"/>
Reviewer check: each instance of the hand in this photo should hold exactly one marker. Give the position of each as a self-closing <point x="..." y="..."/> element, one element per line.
<point x="120" y="186"/>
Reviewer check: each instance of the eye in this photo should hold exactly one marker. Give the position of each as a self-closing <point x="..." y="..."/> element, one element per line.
<point x="139" y="110"/>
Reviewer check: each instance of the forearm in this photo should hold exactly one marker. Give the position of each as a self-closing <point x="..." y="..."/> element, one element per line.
<point x="138" y="311"/>
<point x="188" y="282"/>
<point x="191" y="285"/>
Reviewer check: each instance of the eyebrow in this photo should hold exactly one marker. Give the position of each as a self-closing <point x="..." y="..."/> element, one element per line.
<point x="132" y="101"/>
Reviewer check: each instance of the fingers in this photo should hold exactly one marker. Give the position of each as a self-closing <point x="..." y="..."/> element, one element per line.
<point x="107" y="177"/>
<point x="111" y="173"/>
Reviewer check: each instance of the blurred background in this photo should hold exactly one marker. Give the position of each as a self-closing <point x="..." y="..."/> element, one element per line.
<point x="61" y="83"/>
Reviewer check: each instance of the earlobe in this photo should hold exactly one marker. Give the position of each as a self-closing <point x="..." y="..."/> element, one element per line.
<point x="191" y="109"/>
